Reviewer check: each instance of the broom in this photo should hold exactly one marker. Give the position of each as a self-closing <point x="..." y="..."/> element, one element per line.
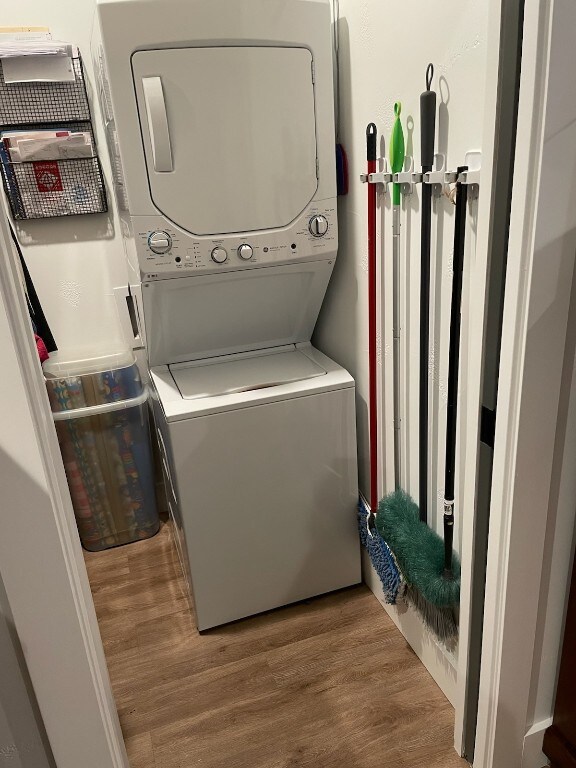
<point x="397" y="152"/>
<point x="428" y="564"/>
<point x="379" y="552"/>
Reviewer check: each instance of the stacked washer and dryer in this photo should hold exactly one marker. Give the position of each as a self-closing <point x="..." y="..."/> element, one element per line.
<point x="221" y="124"/>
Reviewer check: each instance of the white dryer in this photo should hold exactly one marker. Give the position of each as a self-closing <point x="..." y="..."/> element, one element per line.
<point x="220" y="122"/>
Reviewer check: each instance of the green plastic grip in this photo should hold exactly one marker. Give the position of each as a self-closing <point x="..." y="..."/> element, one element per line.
<point x="397" y="151"/>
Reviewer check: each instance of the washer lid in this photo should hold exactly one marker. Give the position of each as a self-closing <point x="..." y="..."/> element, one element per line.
<point x="242" y="373"/>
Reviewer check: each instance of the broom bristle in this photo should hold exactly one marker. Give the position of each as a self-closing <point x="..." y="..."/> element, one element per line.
<point x="440" y="619"/>
<point x="418" y="550"/>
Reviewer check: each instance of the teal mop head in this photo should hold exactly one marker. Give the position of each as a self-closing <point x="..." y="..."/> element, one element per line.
<point x="380" y="555"/>
<point x="419" y="552"/>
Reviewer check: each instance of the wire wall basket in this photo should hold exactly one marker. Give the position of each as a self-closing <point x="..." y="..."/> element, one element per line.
<point x="38" y="189"/>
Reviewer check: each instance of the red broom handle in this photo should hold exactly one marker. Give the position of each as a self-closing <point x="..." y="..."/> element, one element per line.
<point x="371" y="135"/>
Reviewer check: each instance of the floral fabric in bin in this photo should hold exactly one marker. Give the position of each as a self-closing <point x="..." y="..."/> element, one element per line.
<point x="107" y="457"/>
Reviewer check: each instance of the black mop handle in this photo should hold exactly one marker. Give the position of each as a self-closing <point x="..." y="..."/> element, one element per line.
<point x="427" y="121"/>
<point x="427" y="133"/>
<point x="453" y="365"/>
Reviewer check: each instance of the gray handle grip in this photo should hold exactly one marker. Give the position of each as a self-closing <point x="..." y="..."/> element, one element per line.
<point x="427" y="121"/>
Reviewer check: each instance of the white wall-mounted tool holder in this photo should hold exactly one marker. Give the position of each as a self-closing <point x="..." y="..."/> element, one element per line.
<point x="471" y="177"/>
<point x="437" y="176"/>
<point x="407" y="177"/>
<point x="383" y="176"/>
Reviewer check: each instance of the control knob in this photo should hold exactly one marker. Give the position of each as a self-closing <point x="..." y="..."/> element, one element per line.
<point x="318" y="225"/>
<point x="219" y="255"/>
<point x="245" y="251"/>
<point x="159" y="242"/>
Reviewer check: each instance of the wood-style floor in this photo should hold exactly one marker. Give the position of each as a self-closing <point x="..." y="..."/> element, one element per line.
<point x="329" y="683"/>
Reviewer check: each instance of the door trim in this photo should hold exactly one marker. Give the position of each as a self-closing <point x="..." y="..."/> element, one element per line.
<point x="516" y="537"/>
<point x="56" y="623"/>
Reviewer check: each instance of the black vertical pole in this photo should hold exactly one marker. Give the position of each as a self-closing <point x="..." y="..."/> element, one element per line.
<point x="427" y="133"/>
<point x="453" y="365"/>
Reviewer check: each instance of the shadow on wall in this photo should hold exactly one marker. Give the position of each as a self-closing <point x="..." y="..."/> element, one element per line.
<point x="69" y="229"/>
<point x="23" y="741"/>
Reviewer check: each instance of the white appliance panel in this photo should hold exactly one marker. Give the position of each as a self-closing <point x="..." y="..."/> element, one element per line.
<point x="167" y="462"/>
<point x="126" y="27"/>
<point x="191" y="318"/>
<point x="177" y="408"/>
<point x="229" y="135"/>
<point x="189" y="253"/>
<point x="268" y="497"/>
<point x="243" y="373"/>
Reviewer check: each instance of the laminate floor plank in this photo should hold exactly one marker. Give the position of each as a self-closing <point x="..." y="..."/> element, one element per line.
<point x="140" y="751"/>
<point x="328" y="683"/>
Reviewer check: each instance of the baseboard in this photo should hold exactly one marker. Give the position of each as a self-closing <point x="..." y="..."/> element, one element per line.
<point x="532" y="755"/>
<point x="438" y="660"/>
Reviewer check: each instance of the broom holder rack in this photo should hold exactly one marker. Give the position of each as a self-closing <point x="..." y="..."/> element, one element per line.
<point x="471" y="177"/>
<point x="383" y="176"/>
<point x="436" y="178"/>
<point x="407" y="177"/>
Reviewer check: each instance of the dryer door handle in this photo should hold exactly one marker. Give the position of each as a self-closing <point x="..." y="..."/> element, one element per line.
<point x="158" y="124"/>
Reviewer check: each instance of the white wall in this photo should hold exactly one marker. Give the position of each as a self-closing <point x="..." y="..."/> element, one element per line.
<point x="74" y="261"/>
<point x="23" y="743"/>
<point x="379" y="65"/>
<point x="41" y="563"/>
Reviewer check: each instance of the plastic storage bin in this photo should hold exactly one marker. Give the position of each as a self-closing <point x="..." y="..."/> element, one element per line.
<point x="101" y="415"/>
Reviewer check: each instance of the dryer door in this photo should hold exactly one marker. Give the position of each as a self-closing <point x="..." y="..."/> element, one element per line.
<point x="229" y="135"/>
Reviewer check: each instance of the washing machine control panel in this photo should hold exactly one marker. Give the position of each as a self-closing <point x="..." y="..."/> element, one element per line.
<point x="245" y="251"/>
<point x="318" y="225"/>
<point x="159" y="242"/>
<point x="164" y="250"/>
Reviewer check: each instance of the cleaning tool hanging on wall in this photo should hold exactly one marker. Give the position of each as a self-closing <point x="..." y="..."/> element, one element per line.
<point x="452" y="568"/>
<point x="427" y="132"/>
<point x="380" y="554"/>
<point x="420" y="553"/>
<point x="397" y="153"/>
<point x="429" y="565"/>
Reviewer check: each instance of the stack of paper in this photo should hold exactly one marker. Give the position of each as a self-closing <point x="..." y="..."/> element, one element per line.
<point x="43" y="185"/>
<point x="26" y="146"/>
<point x="39" y="59"/>
<point x="17" y="48"/>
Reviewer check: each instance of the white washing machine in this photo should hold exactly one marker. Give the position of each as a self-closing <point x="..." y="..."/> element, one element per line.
<point x="219" y="116"/>
<point x="259" y="458"/>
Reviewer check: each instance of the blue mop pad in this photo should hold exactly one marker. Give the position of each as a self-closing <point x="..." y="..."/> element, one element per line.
<point x="380" y="555"/>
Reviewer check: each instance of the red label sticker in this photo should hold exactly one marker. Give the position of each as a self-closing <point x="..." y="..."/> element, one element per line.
<point x="47" y="176"/>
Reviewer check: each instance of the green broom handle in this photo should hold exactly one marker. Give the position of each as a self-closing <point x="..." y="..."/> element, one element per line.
<point x="397" y="153"/>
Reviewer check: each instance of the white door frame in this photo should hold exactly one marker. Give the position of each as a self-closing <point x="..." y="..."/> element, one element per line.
<point x="39" y="544"/>
<point x="41" y="560"/>
<point x="520" y="489"/>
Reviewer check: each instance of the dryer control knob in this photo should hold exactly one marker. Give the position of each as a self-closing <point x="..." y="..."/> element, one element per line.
<point x="159" y="242"/>
<point x="318" y="226"/>
<point x="245" y="251"/>
<point x="219" y="255"/>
